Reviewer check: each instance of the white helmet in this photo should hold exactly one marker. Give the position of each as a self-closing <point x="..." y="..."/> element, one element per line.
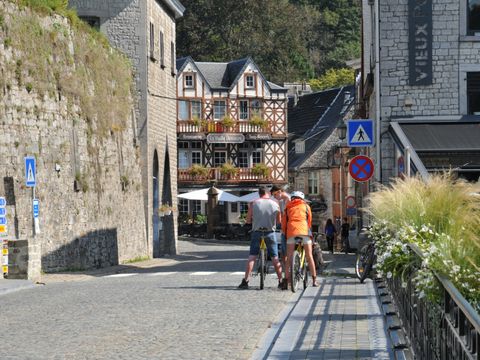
<point x="298" y="194"/>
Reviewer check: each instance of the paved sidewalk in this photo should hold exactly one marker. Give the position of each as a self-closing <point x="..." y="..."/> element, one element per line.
<point x="340" y="319"/>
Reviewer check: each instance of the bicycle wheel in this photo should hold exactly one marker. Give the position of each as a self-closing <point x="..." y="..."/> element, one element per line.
<point x="262" y="264"/>
<point x="364" y="262"/>
<point x="305" y="274"/>
<point x="295" y="270"/>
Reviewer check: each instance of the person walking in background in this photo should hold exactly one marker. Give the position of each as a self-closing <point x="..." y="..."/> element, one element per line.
<point x="263" y="213"/>
<point x="283" y="199"/>
<point x="297" y="223"/>
<point x="345" y="232"/>
<point x="330" y="233"/>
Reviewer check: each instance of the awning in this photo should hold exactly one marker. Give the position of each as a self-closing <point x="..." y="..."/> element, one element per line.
<point x="440" y="146"/>
<point x="249" y="197"/>
<point x="202" y="195"/>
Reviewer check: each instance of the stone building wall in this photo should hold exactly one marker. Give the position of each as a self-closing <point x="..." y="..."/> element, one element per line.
<point x="88" y="185"/>
<point x="453" y="55"/>
<point x="127" y="25"/>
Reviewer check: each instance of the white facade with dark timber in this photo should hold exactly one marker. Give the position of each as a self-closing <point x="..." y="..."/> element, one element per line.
<point x="229" y="113"/>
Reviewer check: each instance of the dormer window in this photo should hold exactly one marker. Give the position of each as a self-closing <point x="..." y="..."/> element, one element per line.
<point x="189" y="83"/>
<point x="300" y="147"/>
<point x="250" y="81"/>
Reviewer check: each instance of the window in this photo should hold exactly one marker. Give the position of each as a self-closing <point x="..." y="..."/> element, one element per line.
<point x="242" y="159"/>
<point x="189" y="80"/>
<point x="196" y="157"/>
<point x="219" y="108"/>
<point x="183" y="206"/>
<point x="300" y="147"/>
<point x="249" y="154"/>
<point x="473" y="17"/>
<point x="196" y="207"/>
<point x="189" y="109"/>
<point x="473" y="93"/>
<point x="243" y="207"/>
<point x="313" y="182"/>
<point x="162" y="50"/>
<point x="172" y="58"/>
<point x="189" y="154"/>
<point x="249" y="81"/>
<point x="196" y="109"/>
<point x="234" y="207"/>
<point x="183" y="110"/>
<point x="219" y="158"/>
<point x="256" y="107"/>
<point x="256" y="157"/>
<point x="152" y="41"/>
<point x="243" y="107"/>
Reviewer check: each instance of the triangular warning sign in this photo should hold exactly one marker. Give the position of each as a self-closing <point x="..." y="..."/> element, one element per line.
<point x="361" y="136"/>
<point x="30" y="175"/>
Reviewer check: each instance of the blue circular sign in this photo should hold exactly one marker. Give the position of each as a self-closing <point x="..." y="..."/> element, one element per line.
<point x="361" y="168"/>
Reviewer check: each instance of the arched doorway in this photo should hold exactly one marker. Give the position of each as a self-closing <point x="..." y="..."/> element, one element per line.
<point x="155" y="206"/>
<point x="167" y="233"/>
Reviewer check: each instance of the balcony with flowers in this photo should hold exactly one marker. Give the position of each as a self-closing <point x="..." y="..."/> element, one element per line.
<point x="226" y="174"/>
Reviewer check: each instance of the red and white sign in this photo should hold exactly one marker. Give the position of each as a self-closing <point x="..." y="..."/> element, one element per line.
<point x="350" y="201"/>
<point x="361" y="168"/>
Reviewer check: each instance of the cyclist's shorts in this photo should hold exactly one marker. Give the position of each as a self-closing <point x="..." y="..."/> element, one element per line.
<point x="305" y="239"/>
<point x="270" y="240"/>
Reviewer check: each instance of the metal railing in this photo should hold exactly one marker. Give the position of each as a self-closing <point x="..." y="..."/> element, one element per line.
<point x="446" y="331"/>
<point x="242" y="175"/>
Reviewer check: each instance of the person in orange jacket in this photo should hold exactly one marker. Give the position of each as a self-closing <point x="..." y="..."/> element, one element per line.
<point x="298" y="224"/>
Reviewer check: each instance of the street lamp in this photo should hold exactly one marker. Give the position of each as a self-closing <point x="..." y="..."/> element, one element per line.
<point x="341" y="130"/>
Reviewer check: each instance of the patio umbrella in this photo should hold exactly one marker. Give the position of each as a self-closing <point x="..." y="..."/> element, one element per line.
<point x="249" y="197"/>
<point x="202" y="194"/>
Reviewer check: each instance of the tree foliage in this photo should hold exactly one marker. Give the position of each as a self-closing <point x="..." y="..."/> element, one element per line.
<point x="333" y="78"/>
<point x="289" y="40"/>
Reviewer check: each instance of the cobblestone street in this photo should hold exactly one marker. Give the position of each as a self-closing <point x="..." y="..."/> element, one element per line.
<point x="163" y="312"/>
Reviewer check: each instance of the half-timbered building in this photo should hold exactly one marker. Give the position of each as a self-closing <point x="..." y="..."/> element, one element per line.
<point x="231" y="129"/>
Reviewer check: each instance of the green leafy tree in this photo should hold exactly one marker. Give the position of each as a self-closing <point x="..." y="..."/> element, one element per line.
<point x="290" y="40"/>
<point x="333" y="78"/>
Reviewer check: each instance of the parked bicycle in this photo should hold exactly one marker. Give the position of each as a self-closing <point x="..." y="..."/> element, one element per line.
<point x="298" y="266"/>
<point x="365" y="261"/>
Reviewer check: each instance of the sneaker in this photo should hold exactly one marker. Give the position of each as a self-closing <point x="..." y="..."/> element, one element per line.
<point x="243" y="285"/>
<point x="283" y="284"/>
<point x="314" y="282"/>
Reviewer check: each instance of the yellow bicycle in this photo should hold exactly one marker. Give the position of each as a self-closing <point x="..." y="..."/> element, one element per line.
<point x="298" y="266"/>
<point x="261" y="266"/>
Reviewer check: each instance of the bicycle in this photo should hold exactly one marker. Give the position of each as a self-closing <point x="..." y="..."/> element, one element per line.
<point x="261" y="262"/>
<point x="365" y="260"/>
<point x="298" y="266"/>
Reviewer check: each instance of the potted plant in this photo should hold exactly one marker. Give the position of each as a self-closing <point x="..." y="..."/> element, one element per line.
<point x="165" y="209"/>
<point x="198" y="170"/>
<point x="227" y="122"/>
<point x="260" y="170"/>
<point x="199" y="122"/>
<point x="228" y="170"/>
<point x="257" y="120"/>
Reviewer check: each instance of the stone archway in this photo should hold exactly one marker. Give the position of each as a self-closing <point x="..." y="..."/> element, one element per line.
<point x="155" y="205"/>
<point x="167" y="233"/>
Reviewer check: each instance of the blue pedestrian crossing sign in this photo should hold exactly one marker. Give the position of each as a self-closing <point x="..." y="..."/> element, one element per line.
<point x="30" y="171"/>
<point x="360" y="133"/>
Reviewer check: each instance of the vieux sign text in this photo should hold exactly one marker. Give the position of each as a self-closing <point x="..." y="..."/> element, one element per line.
<point x="420" y="42"/>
